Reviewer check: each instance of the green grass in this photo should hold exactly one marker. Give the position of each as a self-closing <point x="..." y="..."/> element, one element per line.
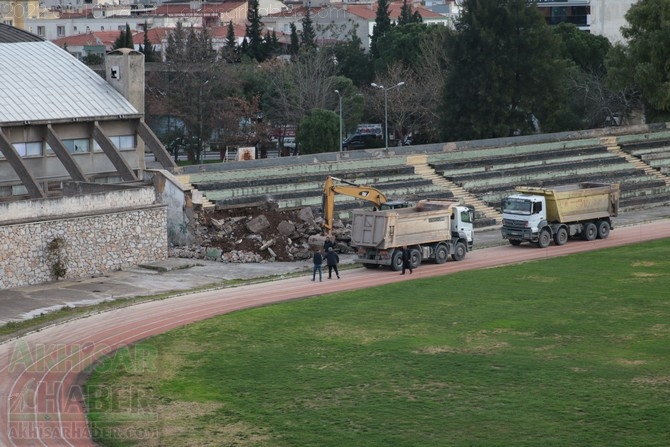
<point x="572" y="351"/>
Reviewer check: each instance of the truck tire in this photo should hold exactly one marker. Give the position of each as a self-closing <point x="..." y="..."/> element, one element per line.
<point x="545" y="239"/>
<point x="515" y="242"/>
<point x="396" y="260"/>
<point x="441" y="254"/>
<point x="561" y="236"/>
<point x="415" y="257"/>
<point x="590" y="232"/>
<point x="459" y="251"/>
<point x="603" y="228"/>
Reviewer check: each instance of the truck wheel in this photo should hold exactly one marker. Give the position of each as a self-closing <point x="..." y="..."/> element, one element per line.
<point x="441" y="254"/>
<point x="459" y="251"/>
<point x="561" y="236"/>
<point x="415" y="257"/>
<point x="396" y="260"/>
<point x="515" y="242"/>
<point x="545" y="239"/>
<point x="590" y="232"/>
<point x="603" y="229"/>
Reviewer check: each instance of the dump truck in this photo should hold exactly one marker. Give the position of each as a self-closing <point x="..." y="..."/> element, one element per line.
<point x="538" y="215"/>
<point x="433" y="230"/>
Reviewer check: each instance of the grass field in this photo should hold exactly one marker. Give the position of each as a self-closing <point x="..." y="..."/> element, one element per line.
<point x="572" y="351"/>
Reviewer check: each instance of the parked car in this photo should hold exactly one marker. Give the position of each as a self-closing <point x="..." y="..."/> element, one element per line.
<point x="359" y="141"/>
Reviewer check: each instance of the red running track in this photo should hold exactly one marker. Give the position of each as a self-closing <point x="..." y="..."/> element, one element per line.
<point x="42" y="374"/>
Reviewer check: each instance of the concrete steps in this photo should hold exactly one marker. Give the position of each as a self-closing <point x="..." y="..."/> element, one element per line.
<point x="421" y="167"/>
<point x="613" y="146"/>
<point x="196" y="196"/>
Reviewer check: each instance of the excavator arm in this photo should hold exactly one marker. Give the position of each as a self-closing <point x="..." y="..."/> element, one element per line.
<point x="330" y="189"/>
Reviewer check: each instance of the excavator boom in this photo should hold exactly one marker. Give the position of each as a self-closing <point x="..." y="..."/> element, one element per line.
<point x="330" y="189"/>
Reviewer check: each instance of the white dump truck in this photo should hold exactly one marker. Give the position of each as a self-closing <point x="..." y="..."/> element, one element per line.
<point x="432" y="230"/>
<point x="539" y="215"/>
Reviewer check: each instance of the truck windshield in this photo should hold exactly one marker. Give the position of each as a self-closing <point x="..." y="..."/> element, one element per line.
<point x="516" y="206"/>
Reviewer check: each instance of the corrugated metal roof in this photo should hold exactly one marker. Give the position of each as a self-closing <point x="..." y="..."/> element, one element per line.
<point x="42" y="82"/>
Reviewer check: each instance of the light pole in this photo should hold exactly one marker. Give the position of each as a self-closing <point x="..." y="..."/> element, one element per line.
<point x="340" y="96"/>
<point x="386" y="110"/>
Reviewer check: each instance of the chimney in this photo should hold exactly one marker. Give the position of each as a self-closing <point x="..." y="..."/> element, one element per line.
<point x="124" y="70"/>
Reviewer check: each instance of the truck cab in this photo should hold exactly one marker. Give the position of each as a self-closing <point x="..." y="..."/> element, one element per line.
<point x="523" y="216"/>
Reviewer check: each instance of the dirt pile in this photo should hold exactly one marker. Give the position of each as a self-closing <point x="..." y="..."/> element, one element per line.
<point x="259" y="235"/>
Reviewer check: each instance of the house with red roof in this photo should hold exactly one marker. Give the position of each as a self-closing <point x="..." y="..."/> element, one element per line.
<point x="336" y="21"/>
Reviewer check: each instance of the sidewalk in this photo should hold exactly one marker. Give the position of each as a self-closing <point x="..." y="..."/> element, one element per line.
<point x="181" y="275"/>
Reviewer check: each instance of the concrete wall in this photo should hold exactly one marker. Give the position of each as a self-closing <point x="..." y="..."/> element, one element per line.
<point x="178" y="199"/>
<point x="101" y="233"/>
<point x="608" y="16"/>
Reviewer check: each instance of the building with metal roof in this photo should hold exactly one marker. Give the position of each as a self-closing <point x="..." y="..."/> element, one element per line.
<point x="60" y="121"/>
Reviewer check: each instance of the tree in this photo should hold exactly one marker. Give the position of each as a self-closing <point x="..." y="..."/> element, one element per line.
<point x="294" y="46"/>
<point x="319" y="132"/>
<point x="229" y="51"/>
<point x="308" y="35"/>
<point x="503" y="77"/>
<point x="407" y="16"/>
<point x="148" y="48"/>
<point x="255" y="48"/>
<point x="646" y="56"/>
<point x="382" y="25"/>
<point x="175" y="52"/>
<point x="125" y="39"/>
<point x="352" y="61"/>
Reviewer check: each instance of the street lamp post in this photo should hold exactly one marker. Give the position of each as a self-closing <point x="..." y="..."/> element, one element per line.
<point x="386" y="109"/>
<point x="340" y="97"/>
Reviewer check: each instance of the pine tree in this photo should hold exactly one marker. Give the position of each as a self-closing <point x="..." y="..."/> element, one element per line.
<point x="254" y="49"/>
<point x="125" y="39"/>
<point x="147" y="48"/>
<point x="294" y="46"/>
<point x="382" y="25"/>
<point x="308" y="35"/>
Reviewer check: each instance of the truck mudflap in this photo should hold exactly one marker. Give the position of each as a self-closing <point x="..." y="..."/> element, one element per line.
<point x="374" y="256"/>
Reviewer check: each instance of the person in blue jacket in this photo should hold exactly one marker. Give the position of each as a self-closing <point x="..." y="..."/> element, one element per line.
<point x="317" y="258"/>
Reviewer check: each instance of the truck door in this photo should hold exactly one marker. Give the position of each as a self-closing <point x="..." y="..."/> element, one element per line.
<point x="463" y="218"/>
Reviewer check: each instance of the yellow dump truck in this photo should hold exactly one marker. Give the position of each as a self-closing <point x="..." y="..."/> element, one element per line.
<point x="432" y="230"/>
<point x="539" y="215"/>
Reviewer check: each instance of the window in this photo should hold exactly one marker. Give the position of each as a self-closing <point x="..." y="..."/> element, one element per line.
<point x="60" y="31"/>
<point x="124" y="142"/>
<point x="31" y="149"/>
<point x="77" y="146"/>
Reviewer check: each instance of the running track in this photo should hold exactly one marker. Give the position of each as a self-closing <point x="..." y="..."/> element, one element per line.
<point x="41" y="374"/>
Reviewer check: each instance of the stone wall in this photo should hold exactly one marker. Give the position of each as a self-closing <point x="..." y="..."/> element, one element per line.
<point x="91" y="243"/>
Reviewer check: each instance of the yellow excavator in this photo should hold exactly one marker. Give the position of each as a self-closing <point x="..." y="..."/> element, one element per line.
<point x="331" y="189"/>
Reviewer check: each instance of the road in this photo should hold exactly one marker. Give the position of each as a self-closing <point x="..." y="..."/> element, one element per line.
<point x="42" y="374"/>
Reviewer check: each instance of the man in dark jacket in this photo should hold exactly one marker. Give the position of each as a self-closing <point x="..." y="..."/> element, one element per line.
<point x="406" y="260"/>
<point x="317" y="258"/>
<point x="332" y="259"/>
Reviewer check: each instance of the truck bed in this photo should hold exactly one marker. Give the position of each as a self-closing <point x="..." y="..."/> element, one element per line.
<point x="579" y="201"/>
<point x="405" y="226"/>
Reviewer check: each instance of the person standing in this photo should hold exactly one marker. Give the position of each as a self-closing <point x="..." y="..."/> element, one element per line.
<point x="317" y="259"/>
<point x="332" y="259"/>
<point x="406" y="260"/>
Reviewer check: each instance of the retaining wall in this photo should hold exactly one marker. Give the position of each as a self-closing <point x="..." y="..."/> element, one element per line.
<point x="130" y="230"/>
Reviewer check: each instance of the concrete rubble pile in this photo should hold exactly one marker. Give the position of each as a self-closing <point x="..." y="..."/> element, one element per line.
<point x="254" y="235"/>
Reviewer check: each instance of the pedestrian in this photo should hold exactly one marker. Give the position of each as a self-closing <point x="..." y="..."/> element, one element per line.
<point x="332" y="259"/>
<point x="317" y="258"/>
<point x="406" y="260"/>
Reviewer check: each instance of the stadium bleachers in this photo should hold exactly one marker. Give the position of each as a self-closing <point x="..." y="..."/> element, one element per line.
<point x="475" y="172"/>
